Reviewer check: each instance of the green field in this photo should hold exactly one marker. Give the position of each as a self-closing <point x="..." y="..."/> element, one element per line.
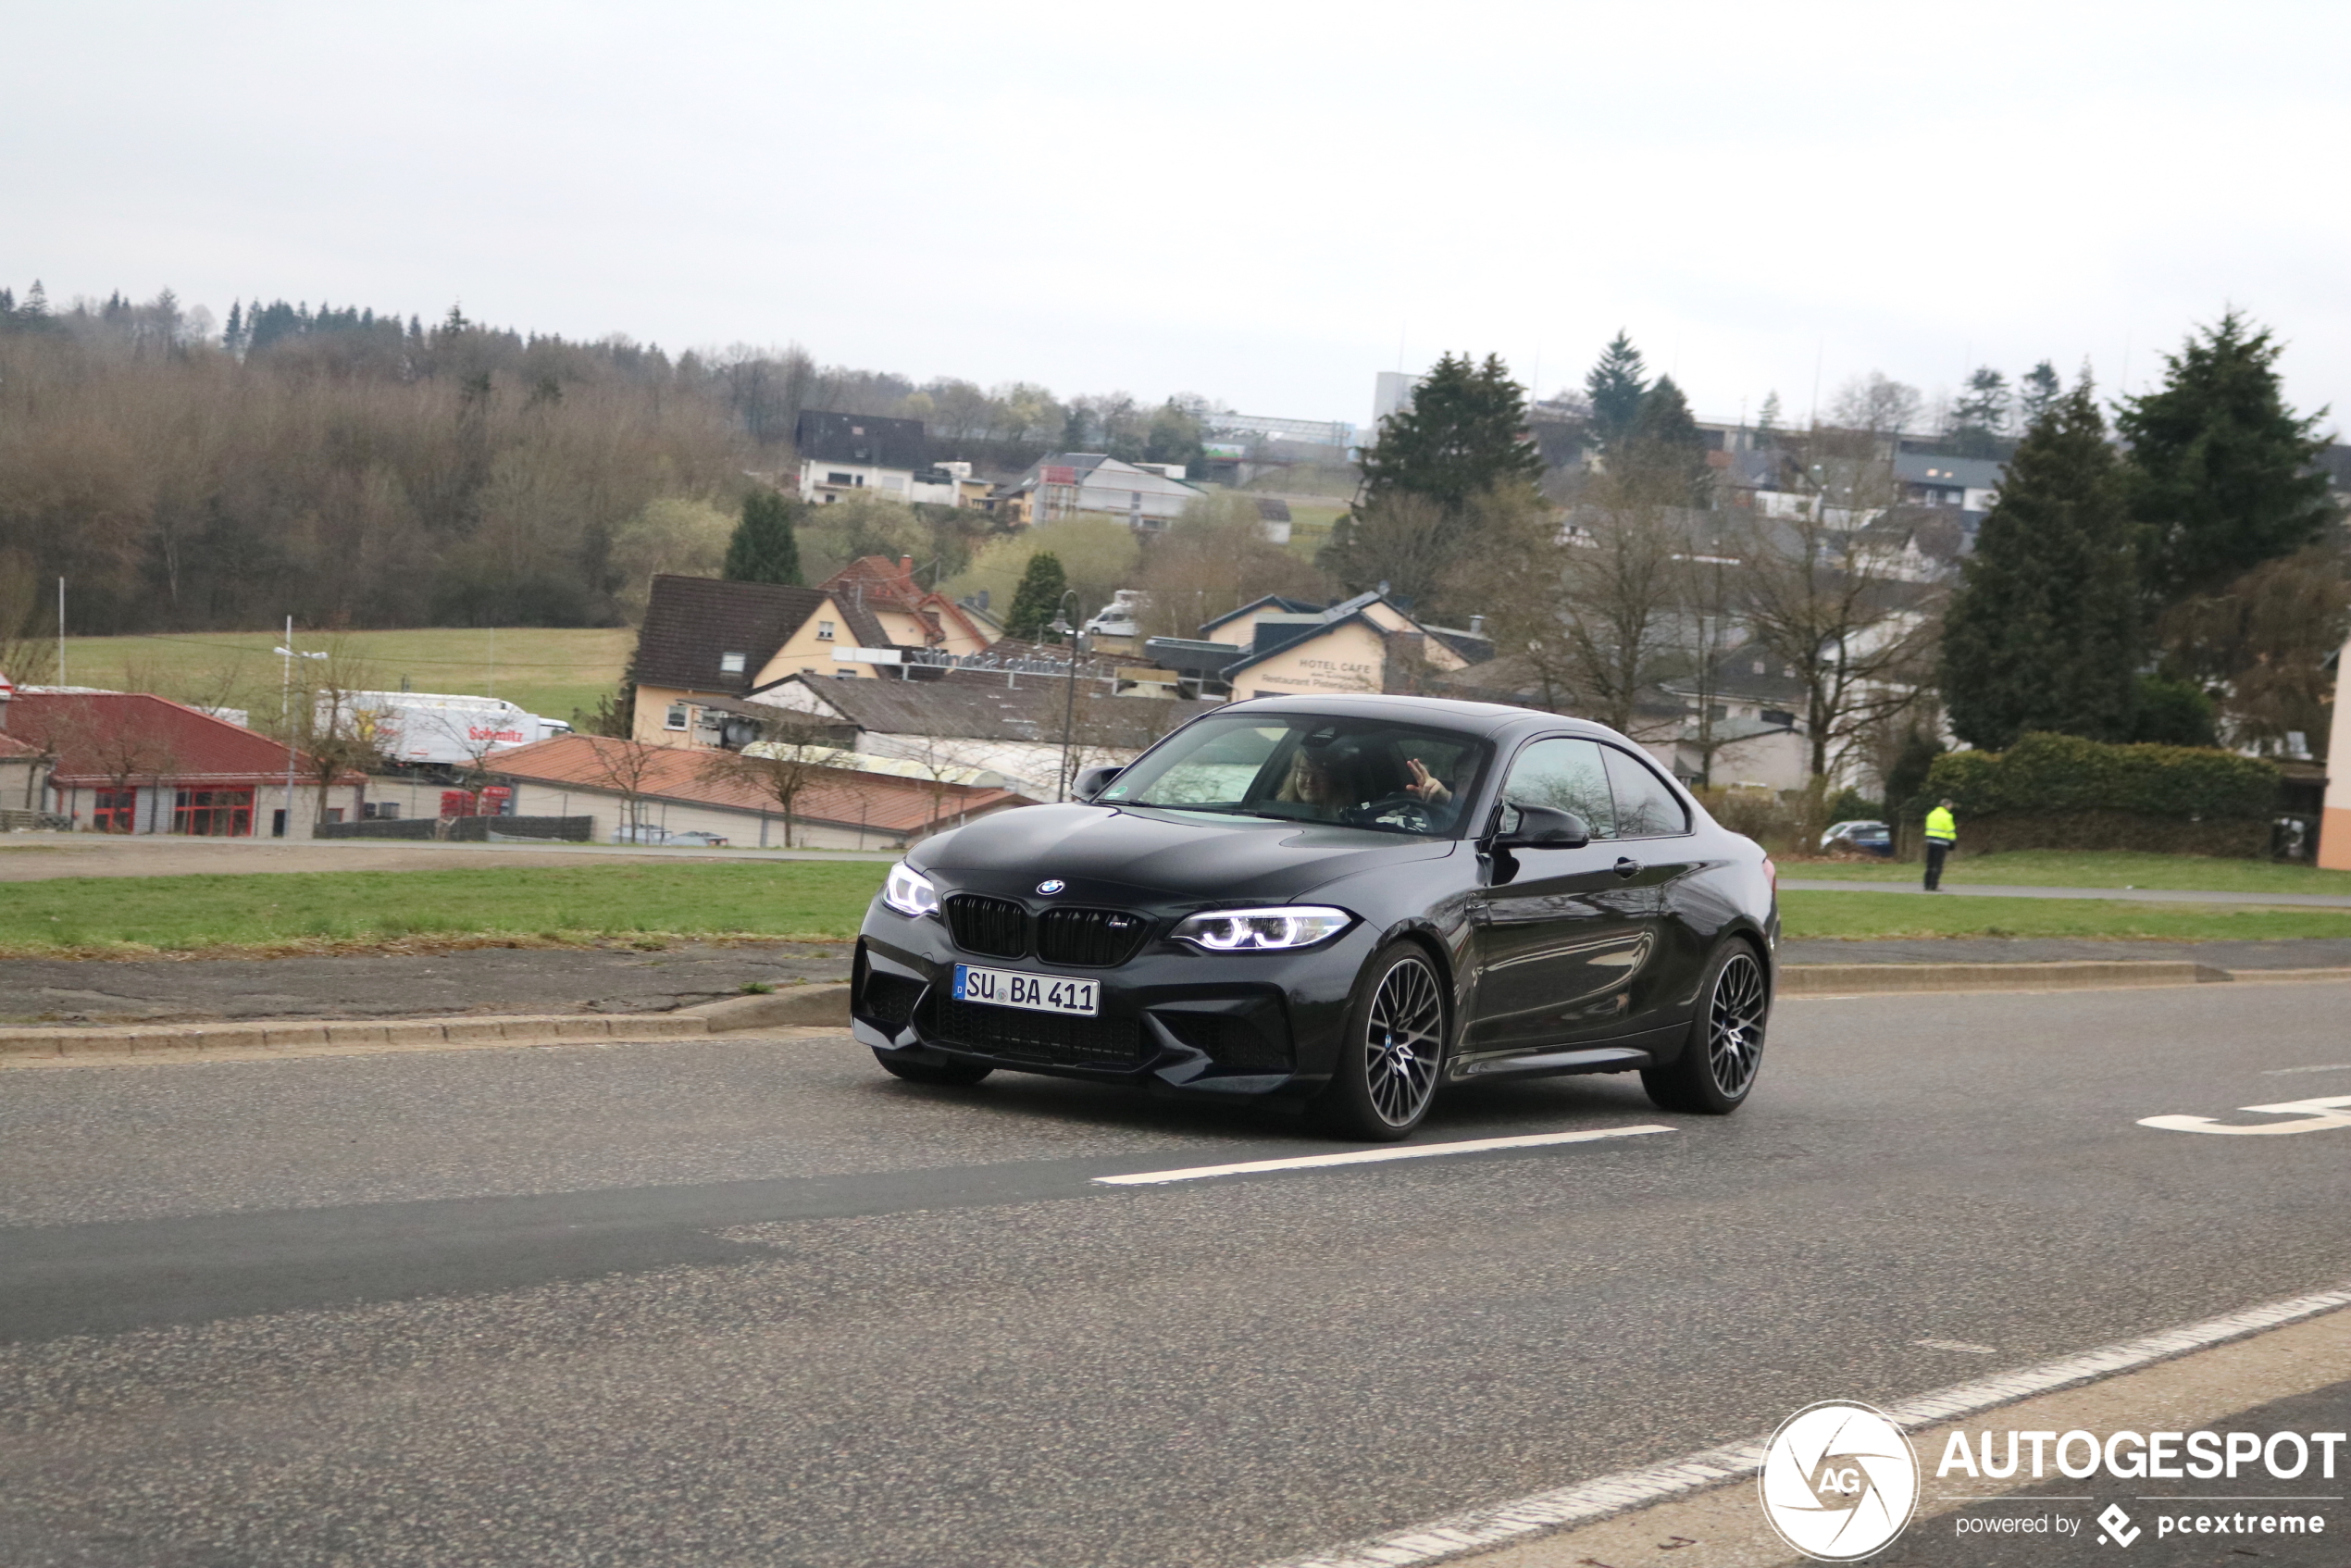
<point x="2091" y="868"/>
<point x="102" y="916"/>
<point x="310" y="911"/>
<point x="1907" y="914"/>
<point x="549" y="670"/>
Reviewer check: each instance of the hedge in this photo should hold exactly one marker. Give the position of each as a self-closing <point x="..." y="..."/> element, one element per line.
<point x="2052" y="775"/>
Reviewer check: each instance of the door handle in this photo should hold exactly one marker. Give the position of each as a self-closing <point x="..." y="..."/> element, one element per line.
<point x="1628" y="866"/>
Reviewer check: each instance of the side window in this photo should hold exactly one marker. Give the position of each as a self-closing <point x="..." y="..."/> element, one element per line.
<point x="676" y="719"/>
<point x="1645" y="807"/>
<point x="1565" y="775"/>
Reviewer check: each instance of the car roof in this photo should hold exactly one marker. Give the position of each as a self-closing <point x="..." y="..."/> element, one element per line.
<point x="1489" y="720"/>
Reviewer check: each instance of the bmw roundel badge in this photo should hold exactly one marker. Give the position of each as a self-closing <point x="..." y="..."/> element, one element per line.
<point x="1051" y="884"/>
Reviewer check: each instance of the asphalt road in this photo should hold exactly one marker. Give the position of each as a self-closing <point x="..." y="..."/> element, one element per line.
<point x="752" y="1303"/>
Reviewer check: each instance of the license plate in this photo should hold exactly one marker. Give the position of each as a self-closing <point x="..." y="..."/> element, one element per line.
<point x="1039" y="993"/>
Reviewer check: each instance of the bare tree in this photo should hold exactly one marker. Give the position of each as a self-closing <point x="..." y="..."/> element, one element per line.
<point x="1588" y="606"/>
<point x="1828" y="600"/>
<point x="794" y="752"/>
<point x="1876" y="403"/>
<point x="624" y="767"/>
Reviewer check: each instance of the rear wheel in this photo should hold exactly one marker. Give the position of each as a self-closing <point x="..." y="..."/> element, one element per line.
<point x="1719" y="1061"/>
<point x="1394" y="1045"/>
<point x="956" y="1073"/>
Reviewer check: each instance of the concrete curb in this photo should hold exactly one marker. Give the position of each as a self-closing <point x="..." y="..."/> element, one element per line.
<point x="159" y="1039"/>
<point x="786" y="1004"/>
<point x="1850" y="979"/>
<point x="822" y="1005"/>
<point x="827" y="1007"/>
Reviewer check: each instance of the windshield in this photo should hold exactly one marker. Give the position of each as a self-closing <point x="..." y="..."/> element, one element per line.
<point x="1390" y="778"/>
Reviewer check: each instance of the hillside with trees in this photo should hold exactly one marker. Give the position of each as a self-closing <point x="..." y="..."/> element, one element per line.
<point x="356" y="469"/>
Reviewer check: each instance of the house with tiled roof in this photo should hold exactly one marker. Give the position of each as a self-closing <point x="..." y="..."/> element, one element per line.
<point x="707" y="643"/>
<point x="636" y="793"/>
<point x="125" y="762"/>
<point x="1282" y="648"/>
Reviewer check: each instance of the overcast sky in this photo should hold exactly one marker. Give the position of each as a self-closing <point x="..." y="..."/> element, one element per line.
<point x="1264" y="202"/>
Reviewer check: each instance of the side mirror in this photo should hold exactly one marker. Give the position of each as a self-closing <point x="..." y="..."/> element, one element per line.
<point x="1093" y="781"/>
<point x="1543" y="827"/>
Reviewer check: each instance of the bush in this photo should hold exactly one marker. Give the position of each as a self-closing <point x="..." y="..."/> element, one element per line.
<point x="2063" y="775"/>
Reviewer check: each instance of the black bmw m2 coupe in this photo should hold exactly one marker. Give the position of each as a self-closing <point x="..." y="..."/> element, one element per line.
<point x="1350" y="901"/>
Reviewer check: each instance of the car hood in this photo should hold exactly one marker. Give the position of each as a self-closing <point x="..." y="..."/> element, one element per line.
<point x="1111" y="852"/>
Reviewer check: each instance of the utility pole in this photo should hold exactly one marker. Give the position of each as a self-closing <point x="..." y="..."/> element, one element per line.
<point x="61" y="631"/>
<point x="1069" y="711"/>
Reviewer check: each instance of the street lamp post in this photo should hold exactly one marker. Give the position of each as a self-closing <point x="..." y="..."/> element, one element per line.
<point x="1060" y="624"/>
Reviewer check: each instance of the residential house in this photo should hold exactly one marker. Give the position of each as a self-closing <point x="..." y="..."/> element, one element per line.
<point x="1007" y="722"/>
<point x="1067" y="484"/>
<point x="130" y="763"/>
<point x="636" y="793"/>
<point x="912" y="615"/>
<point x="1277" y="647"/>
<point x="1965" y="484"/>
<point x="706" y="643"/>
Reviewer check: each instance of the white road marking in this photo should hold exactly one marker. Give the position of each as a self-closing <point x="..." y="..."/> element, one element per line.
<point x="1375" y="1156"/>
<point x="1956" y="1345"/>
<point x="2323" y="1067"/>
<point x="1480" y="1529"/>
<point x="2327" y="1114"/>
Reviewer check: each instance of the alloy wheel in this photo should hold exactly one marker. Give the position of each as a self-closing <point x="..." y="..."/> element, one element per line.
<point x="1735" y="1025"/>
<point x="1403" y="1041"/>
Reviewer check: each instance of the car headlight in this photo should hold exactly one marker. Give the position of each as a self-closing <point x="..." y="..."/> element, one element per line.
<point x="1262" y="931"/>
<point x="909" y="891"/>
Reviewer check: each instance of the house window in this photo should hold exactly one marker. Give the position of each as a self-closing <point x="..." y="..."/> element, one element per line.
<point x="839" y="478"/>
<point x="114" y="811"/>
<point x="823" y="631"/>
<point x="731" y="664"/>
<point x="218" y="813"/>
<point x="677" y="719"/>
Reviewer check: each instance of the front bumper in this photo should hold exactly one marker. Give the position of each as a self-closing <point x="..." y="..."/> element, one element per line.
<point x="1229" y="1023"/>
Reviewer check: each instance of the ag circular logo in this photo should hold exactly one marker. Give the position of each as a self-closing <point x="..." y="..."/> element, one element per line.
<point x="1051" y="886"/>
<point x="1839" y="1481"/>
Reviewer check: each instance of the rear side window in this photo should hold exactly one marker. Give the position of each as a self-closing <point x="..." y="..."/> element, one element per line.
<point x="1566" y="775"/>
<point x="1645" y="807"/>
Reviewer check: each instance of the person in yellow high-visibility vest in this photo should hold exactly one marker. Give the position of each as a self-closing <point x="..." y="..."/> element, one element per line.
<point x="1942" y="833"/>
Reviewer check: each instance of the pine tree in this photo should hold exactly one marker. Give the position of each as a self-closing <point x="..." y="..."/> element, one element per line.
<point x="2045" y="632"/>
<point x="1464" y="435"/>
<point x="232" y="336"/>
<point x="762" y="548"/>
<point x="1615" y="387"/>
<point x="2036" y="393"/>
<point x="1981" y="415"/>
<point x="1038" y="599"/>
<point x="2221" y="474"/>
<point x="1767" y="422"/>
<point x="1664" y="442"/>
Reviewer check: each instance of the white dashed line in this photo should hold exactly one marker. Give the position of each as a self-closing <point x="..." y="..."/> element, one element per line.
<point x="1480" y="1529"/>
<point x="1376" y="1156"/>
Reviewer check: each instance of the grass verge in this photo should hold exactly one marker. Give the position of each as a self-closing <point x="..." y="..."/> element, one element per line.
<point x="2091" y="868"/>
<point x="1905" y="915"/>
<point x="813" y="900"/>
<point x="354" y="910"/>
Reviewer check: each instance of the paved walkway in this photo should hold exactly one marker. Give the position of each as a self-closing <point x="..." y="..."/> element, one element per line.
<point x="2127" y="895"/>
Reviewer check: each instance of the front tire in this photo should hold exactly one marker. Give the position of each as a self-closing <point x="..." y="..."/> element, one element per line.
<point x="956" y="1074"/>
<point x="1724" y="1051"/>
<point x="1392" y="1051"/>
